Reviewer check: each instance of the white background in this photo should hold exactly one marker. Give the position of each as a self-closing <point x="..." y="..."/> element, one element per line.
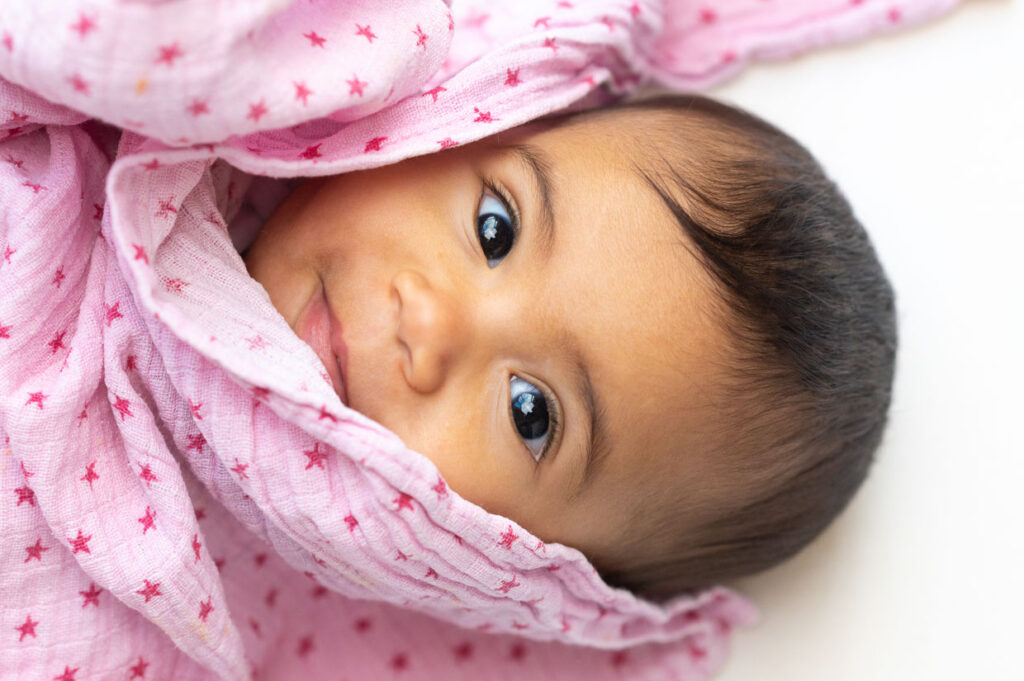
<point x="922" y="577"/>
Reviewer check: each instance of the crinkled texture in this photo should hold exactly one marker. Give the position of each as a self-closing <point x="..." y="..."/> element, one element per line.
<point x="183" y="495"/>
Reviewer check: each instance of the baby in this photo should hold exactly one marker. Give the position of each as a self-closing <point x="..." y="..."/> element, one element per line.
<point x="653" y="332"/>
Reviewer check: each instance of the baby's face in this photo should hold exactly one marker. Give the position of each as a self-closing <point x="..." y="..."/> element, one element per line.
<point x="524" y="312"/>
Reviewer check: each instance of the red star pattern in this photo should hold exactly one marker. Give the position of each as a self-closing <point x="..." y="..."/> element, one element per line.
<point x="196" y="442"/>
<point x="315" y="456"/>
<point x="431" y="572"/>
<point x="148" y="520"/>
<point x="92" y="596"/>
<point x="147" y="474"/>
<point x="270" y="598"/>
<point x="175" y="284"/>
<point x="67" y="675"/>
<point x="363" y="625"/>
<point x="37" y="398"/>
<point x="421" y="37"/>
<point x="58" y="276"/>
<point x="434" y="92"/>
<point x="165" y="211"/>
<point x="365" y="32"/>
<point x="483" y="116"/>
<point x="708" y="15"/>
<point x="130" y="363"/>
<point x="895" y="15"/>
<point x="84" y="25"/>
<point x="447" y="142"/>
<point x="351" y="521"/>
<point x="312" y="152"/>
<point x="697" y="651"/>
<point x="355" y="86"/>
<point x="57" y="343"/>
<point x="543" y="21"/>
<point x="314" y="39"/>
<point x="80" y="543"/>
<point x="403" y="500"/>
<point x="36" y="188"/>
<point x="517" y="652"/>
<point x="255" y="626"/>
<point x="112" y="312"/>
<point x="36" y="551"/>
<point x="8" y="42"/>
<point x="196" y="545"/>
<point x="463" y="651"/>
<point x="168" y="53"/>
<point x="257" y="111"/>
<point x="302" y="92"/>
<point x="401" y="555"/>
<point x="150" y="590"/>
<point x="138" y="670"/>
<point x="619" y="658"/>
<point x="198" y="107"/>
<point x="440" y="487"/>
<point x="98" y="215"/>
<point x="79" y="84"/>
<point x="257" y="343"/>
<point x="512" y="77"/>
<point x="374" y="144"/>
<point x="17" y="163"/>
<point x="550" y="42"/>
<point x="5" y="331"/>
<point x="27" y="629"/>
<point x="205" y="608"/>
<point x="399" y="662"/>
<point x="123" y="407"/>
<point x="8" y="252"/>
<point x="607" y="21"/>
<point x="634" y="9"/>
<point x="508" y="585"/>
<point x="239" y="468"/>
<point x="25" y="494"/>
<point x="305" y="646"/>
<point x="194" y="407"/>
<point x="507" y="537"/>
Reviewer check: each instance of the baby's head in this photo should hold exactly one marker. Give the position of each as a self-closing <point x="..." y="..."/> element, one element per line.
<point x="653" y="332"/>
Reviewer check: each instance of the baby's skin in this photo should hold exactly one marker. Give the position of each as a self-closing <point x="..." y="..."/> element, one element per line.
<point x="526" y="313"/>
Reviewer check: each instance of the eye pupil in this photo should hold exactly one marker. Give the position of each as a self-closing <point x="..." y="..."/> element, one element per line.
<point x="496" y="235"/>
<point x="530" y="413"/>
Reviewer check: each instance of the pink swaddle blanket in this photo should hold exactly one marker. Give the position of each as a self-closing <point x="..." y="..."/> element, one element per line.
<point x="182" y="494"/>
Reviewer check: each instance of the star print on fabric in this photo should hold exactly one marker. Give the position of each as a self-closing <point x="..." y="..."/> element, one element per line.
<point x="463" y="651"/>
<point x="431" y="572"/>
<point x="401" y="555"/>
<point x="517" y="652"/>
<point x="634" y="9"/>
<point x="399" y="662"/>
<point x="112" y="312"/>
<point x="84" y="25"/>
<point x="165" y="211"/>
<point x="696" y="651"/>
<point x="5" y="331"/>
<point x="148" y="520"/>
<point x="324" y="414"/>
<point x="374" y="144"/>
<point x="8" y="42"/>
<point x="708" y="15"/>
<point x="36" y="551"/>
<point x="194" y="407"/>
<point x="255" y="626"/>
<point x="434" y="92"/>
<point x="67" y="675"/>
<point x="24" y="471"/>
<point x="440" y="487"/>
<point x="312" y="152"/>
<point x="520" y="626"/>
<point x="550" y="42"/>
<point x="58" y="277"/>
<point x="198" y="107"/>
<point x="365" y="32"/>
<point x="130" y="363"/>
<point x="363" y="624"/>
<point x="257" y="343"/>
<point x="565" y="625"/>
<point x="319" y="592"/>
<point x="257" y="111"/>
<point x="447" y="143"/>
<point x="124" y="408"/>
<point x="302" y="92"/>
<point x="205" y="608"/>
<point x="57" y="343"/>
<point x="27" y="629"/>
<point x="314" y="39"/>
<point x="150" y="590"/>
<point x="607" y="21"/>
<point x="17" y="163"/>
<point x="37" y="398"/>
<point x="80" y="543"/>
<point x="138" y="670"/>
<point x="508" y="585"/>
<point x="403" y="500"/>
<point x="315" y="456"/>
<point x="355" y="86"/>
<point x="351" y="521"/>
<point x="219" y="563"/>
<point x="140" y="252"/>
<point x="512" y="77"/>
<point x="507" y="537"/>
<point x="147" y="474"/>
<point x="618" y="658"/>
<point x="98" y="215"/>
<point x="92" y="596"/>
<point x="421" y="38"/>
<point x="895" y="15"/>
<point x="25" y="494"/>
<point x="196" y="545"/>
<point x="565" y="4"/>
<point x="36" y="188"/>
<point x="305" y="646"/>
<point x="543" y="21"/>
<point x="196" y="442"/>
<point x="176" y="285"/>
<point x="168" y="53"/>
<point x="483" y="116"/>
<point x="270" y="598"/>
<point x="239" y="468"/>
<point x="79" y="84"/>
<point x="8" y="252"/>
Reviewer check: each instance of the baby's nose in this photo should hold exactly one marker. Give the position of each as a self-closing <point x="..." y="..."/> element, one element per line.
<point x="431" y="328"/>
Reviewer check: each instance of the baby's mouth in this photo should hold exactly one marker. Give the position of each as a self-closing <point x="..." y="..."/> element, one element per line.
<point x="321" y="330"/>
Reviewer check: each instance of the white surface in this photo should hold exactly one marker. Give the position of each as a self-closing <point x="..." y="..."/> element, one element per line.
<point x="923" y="576"/>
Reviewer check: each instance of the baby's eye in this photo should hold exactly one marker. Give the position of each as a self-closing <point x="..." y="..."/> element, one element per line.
<point x="530" y="415"/>
<point x="495" y="228"/>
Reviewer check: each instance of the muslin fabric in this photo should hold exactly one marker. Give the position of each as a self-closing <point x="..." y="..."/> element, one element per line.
<point x="182" y="494"/>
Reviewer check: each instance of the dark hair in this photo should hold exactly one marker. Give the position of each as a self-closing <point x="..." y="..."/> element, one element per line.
<point x="811" y="314"/>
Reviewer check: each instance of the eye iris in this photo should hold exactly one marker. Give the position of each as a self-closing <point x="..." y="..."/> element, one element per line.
<point x="495" y="234"/>
<point x="530" y="413"/>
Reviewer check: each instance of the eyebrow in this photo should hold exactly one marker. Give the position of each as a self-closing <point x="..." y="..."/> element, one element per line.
<point x="594" y="445"/>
